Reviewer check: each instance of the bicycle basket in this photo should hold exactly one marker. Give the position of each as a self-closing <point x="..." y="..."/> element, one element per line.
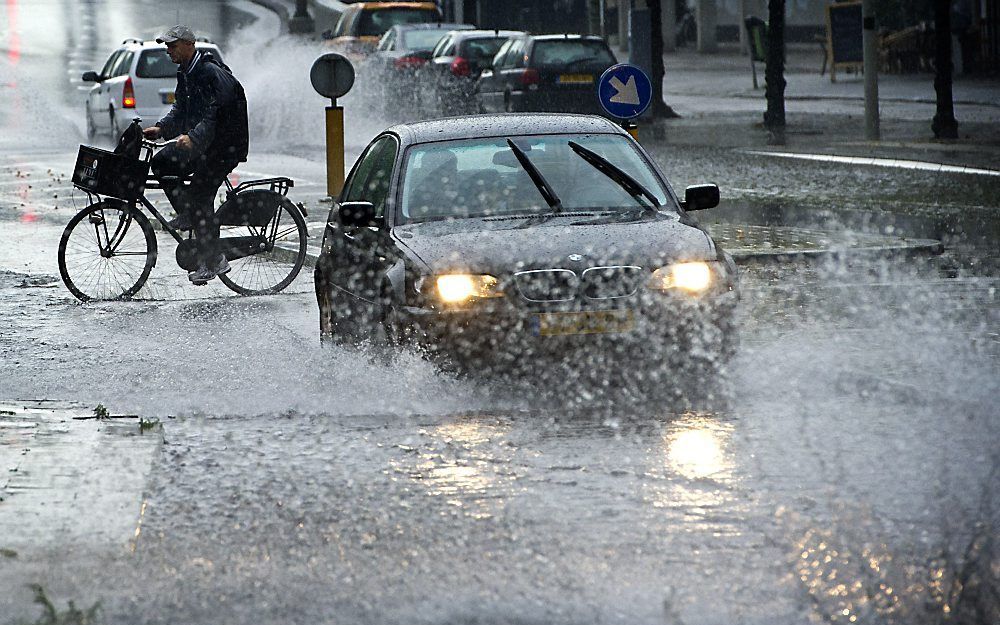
<point x="106" y="173"/>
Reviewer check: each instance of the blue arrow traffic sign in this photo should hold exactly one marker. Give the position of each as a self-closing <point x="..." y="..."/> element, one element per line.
<point x="624" y="91"/>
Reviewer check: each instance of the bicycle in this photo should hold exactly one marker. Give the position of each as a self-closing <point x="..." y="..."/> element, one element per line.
<point x="109" y="248"/>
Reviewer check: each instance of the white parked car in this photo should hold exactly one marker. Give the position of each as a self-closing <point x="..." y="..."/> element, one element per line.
<point x="138" y="80"/>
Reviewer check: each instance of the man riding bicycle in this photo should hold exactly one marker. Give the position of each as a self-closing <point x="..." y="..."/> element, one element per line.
<point x="209" y="121"/>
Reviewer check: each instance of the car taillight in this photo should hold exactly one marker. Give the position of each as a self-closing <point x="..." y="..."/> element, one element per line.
<point x="128" y="95"/>
<point x="408" y="62"/>
<point x="460" y="67"/>
<point x="529" y="77"/>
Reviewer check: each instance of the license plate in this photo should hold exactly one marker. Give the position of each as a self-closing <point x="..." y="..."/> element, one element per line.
<point x="590" y="322"/>
<point x="576" y="79"/>
<point x="168" y="98"/>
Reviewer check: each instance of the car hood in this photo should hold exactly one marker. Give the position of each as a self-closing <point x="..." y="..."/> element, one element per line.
<point x="501" y="246"/>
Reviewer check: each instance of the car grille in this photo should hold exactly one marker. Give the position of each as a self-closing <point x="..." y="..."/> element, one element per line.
<point x="547" y="285"/>
<point x="563" y="285"/>
<point x="611" y="282"/>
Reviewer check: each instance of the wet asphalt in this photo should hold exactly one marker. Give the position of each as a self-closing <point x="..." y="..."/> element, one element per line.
<point x="841" y="466"/>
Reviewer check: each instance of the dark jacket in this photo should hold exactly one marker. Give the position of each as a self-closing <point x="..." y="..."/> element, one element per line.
<point x="211" y="108"/>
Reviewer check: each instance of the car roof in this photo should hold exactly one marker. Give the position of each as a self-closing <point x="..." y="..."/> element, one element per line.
<point x="568" y="36"/>
<point x="149" y="43"/>
<point x="503" y="125"/>
<point x="433" y="25"/>
<point x="395" y="5"/>
<point x="482" y="32"/>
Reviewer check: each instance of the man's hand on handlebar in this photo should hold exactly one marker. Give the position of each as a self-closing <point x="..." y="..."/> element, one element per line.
<point x="153" y="133"/>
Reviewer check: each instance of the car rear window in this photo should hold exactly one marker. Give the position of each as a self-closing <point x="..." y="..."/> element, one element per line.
<point x="570" y="52"/>
<point x="374" y="22"/>
<point x="422" y="39"/>
<point x="481" y="49"/>
<point x="155" y="63"/>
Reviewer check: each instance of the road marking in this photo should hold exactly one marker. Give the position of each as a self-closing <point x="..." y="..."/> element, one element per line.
<point x="881" y="162"/>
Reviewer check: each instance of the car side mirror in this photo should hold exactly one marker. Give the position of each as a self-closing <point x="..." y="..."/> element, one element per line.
<point x="356" y="214"/>
<point x="701" y="196"/>
<point x="90" y="77"/>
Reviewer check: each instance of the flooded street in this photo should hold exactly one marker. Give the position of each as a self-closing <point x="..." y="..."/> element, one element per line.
<point x="843" y="467"/>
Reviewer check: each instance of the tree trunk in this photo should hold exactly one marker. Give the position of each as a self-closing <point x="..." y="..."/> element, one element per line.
<point x="660" y="108"/>
<point x="944" y="124"/>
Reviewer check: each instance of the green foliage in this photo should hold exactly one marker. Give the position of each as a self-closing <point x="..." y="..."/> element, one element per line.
<point x="101" y="412"/>
<point x="71" y="616"/>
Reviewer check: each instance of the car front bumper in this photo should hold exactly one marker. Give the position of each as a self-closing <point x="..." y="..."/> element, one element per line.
<point x="498" y="330"/>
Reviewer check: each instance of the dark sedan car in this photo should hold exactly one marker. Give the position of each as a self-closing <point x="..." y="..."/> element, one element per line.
<point x="521" y="234"/>
<point x="545" y="73"/>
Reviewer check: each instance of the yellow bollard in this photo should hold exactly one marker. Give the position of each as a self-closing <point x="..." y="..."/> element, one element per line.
<point x="334" y="150"/>
<point x="633" y="129"/>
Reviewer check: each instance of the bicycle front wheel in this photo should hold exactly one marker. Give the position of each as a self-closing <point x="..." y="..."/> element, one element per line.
<point x="106" y="252"/>
<point x="283" y="240"/>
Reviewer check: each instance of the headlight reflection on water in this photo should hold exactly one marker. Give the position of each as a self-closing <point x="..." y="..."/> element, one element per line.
<point x="457" y="462"/>
<point x="697" y="449"/>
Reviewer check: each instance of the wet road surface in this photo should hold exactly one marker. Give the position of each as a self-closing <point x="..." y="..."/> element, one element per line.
<point x="846" y="464"/>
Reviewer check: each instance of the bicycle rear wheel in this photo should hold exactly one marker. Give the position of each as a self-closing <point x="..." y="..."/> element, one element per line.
<point x="272" y="269"/>
<point x="106" y="252"/>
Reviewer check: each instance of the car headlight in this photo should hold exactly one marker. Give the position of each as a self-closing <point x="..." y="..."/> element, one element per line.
<point x="455" y="288"/>
<point x="695" y="277"/>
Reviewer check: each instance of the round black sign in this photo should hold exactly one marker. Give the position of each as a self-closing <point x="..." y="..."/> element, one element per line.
<point x="332" y="75"/>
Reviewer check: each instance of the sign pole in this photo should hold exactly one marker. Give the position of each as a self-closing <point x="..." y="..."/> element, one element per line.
<point x="334" y="149"/>
<point x="332" y="76"/>
<point x="869" y="40"/>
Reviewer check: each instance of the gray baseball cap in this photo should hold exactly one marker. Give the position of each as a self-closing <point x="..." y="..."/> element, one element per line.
<point x="177" y="33"/>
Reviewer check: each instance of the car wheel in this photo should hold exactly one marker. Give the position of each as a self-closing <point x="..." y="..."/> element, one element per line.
<point x="91" y="128"/>
<point x="116" y="132"/>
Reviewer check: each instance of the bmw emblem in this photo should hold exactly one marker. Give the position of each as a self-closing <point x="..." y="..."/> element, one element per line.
<point x="576" y="257"/>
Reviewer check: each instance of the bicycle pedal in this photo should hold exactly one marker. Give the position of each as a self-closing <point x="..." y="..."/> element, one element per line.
<point x="96" y="219"/>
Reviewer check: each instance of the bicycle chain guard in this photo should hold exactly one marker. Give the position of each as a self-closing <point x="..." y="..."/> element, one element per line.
<point x="187" y="255"/>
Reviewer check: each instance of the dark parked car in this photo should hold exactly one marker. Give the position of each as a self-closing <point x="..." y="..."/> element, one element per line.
<point x="555" y="73"/>
<point x="493" y="235"/>
<point x="448" y="80"/>
<point x="401" y="52"/>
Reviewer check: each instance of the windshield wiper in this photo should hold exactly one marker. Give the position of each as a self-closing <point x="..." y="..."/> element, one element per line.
<point x="603" y="165"/>
<point x="536" y="177"/>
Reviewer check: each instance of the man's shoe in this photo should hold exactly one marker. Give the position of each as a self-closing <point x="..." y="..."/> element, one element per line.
<point x="204" y="272"/>
<point x="221" y="265"/>
<point x="181" y="222"/>
<point x="201" y="275"/>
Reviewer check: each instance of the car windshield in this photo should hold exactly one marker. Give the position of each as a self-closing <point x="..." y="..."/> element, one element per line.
<point x="481" y="49"/>
<point x="155" y="63"/>
<point x="422" y="39"/>
<point x="561" y="52"/>
<point x="482" y="177"/>
<point x="376" y="22"/>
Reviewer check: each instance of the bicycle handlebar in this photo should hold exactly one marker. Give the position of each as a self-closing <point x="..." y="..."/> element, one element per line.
<point x="158" y="145"/>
